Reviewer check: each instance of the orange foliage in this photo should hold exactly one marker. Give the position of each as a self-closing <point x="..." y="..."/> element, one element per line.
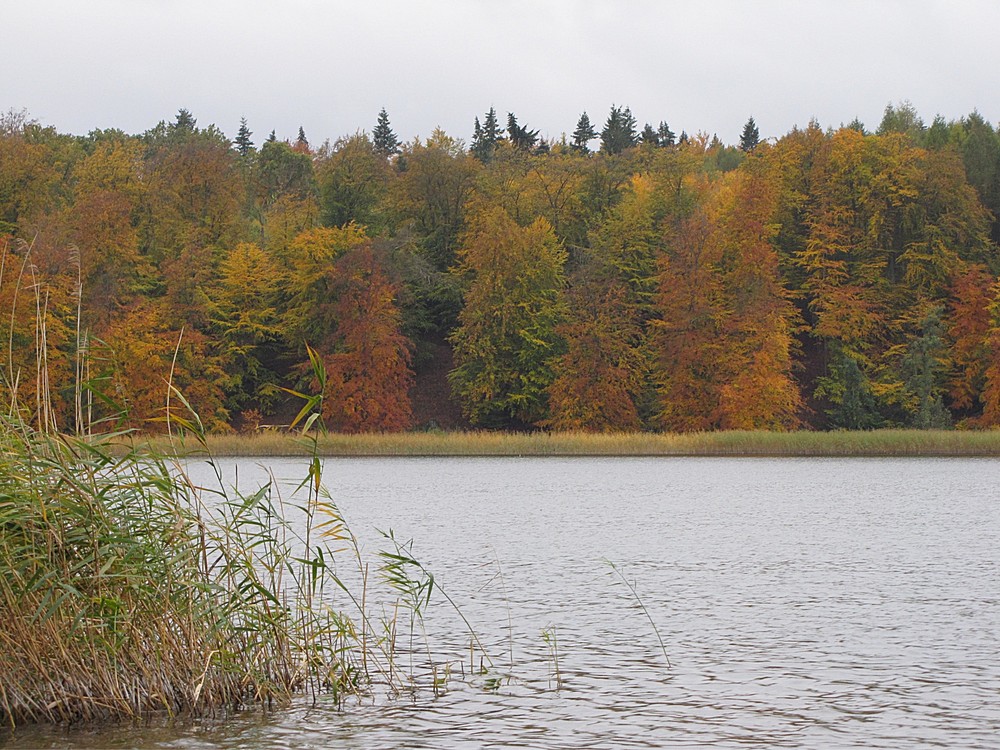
<point x="724" y="338"/>
<point x="368" y="369"/>
<point x="688" y="334"/>
<point x="141" y="347"/>
<point x="601" y="373"/>
<point x="760" y="392"/>
<point x="35" y="341"/>
<point x="969" y="329"/>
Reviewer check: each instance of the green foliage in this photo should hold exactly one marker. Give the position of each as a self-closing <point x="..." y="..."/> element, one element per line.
<point x="507" y="338"/>
<point x="855" y="405"/>
<point x="352" y="182"/>
<point x="435" y="182"/>
<point x="282" y="171"/>
<point x="486" y="137"/>
<point x="583" y="134"/>
<point x="243" y="143"/>
<point x="384" y="140"/>
<point x="923" y="368"/>
<point x="619" y="131"/>
<point x="519" y="135"/>
<point x="750" y="136"/>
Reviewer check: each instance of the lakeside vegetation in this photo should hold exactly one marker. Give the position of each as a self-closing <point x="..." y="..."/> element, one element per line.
<point x="126" y="591"/>
<point x="873" y="443"/>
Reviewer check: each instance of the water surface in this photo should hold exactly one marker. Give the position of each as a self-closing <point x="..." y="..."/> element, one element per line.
<point x="802" y="603"/>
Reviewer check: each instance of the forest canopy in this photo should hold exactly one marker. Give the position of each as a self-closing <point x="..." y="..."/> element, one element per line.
<point x="618" y="278"/>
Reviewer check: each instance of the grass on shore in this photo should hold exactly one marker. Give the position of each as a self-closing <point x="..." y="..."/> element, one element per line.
<point x="875" y="443"/>
<point x="127" y="591"/>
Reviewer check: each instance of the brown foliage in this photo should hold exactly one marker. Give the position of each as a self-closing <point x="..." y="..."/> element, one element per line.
<point x="368" y="357"/>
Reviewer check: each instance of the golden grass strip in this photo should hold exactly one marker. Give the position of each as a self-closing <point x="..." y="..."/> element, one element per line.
<point x="875" y="443"/>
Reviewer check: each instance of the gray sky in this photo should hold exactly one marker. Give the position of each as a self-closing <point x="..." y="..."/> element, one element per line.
<point x="330" y="66"/>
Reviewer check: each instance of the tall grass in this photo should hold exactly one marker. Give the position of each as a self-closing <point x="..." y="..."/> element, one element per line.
<point x="729" y="443"/>
<point x="124" y="591"/>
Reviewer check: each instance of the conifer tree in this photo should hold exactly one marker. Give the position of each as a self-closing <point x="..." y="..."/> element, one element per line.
<point x="619" y="131"/>
<point x="750" y="137"/>
<point x="244" y="146"/>
<point x="667" y="137"/>
<point x="383" y="138"/>
<point x="480" y="148"/>
<point x="486" y="137"/>
<point x="649" y="136"/>
<point x="519" y="135"/>
<point x="184" y="123"/>
<point x="272" y="137"/>
<point x="583" y="134"/>
<point x="924" y="370"/>
<point x="301" y="141"/>
<point x="856" y="124"/>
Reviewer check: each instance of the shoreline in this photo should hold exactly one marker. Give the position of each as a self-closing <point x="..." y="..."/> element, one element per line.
<point x="866" y="444"/>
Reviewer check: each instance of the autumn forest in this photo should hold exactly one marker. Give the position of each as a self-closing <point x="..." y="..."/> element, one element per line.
<point x="619" y="278"/>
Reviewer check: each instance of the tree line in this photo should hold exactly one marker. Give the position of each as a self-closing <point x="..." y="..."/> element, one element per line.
<point x="829" y="278"/>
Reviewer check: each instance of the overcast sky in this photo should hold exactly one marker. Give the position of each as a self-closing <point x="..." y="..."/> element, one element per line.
<point x="330" y="66"/>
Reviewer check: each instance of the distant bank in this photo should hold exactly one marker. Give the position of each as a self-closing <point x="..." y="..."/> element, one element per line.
<point x="874" y="443"/>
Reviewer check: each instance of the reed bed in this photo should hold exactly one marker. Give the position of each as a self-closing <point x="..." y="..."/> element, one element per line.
<point x="124" y="592"/>
<point x="875" y="443"/>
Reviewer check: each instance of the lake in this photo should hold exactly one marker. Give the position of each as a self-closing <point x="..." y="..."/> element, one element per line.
<point x="807" y="603"/>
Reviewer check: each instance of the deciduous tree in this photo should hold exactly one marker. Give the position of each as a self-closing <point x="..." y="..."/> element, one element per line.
<point x="367" y="357"/>
<point x="506" y="339"/>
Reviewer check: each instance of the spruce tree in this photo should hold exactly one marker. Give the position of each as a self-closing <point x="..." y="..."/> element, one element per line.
<point x="479" y="148"/>
<point x="244" y="146"/>
<point x="384" y="139"/>
<point x="485" y="137"/>
<point x="750" y="137"/>
<point x="924" y="371"/>
<point x="491" y="128"/>
<point x="184" y="123"/>
<point x="302" y="141"/>
<point x="649" y="136"/>
<point x="272" y="137"/>
<point x="619" y="131"/>
<point x="583" y="134"/>
<point x="666" y="135"/>
<point x="519" y="135"/>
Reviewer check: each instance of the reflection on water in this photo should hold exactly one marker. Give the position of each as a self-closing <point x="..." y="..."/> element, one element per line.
<point x="803" y="603"/>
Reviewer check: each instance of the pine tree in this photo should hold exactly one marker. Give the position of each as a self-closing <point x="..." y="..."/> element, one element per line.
<point x="244" y="146"/>
<point x="301" y="140"/>
<point x="272" y="137"/>
<point x="383" y="138"/>
<point x="583" y="134"/>
<point x="619" y="131"/>
<point x="667" y="137"/>
<point x="750" y="137"/>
